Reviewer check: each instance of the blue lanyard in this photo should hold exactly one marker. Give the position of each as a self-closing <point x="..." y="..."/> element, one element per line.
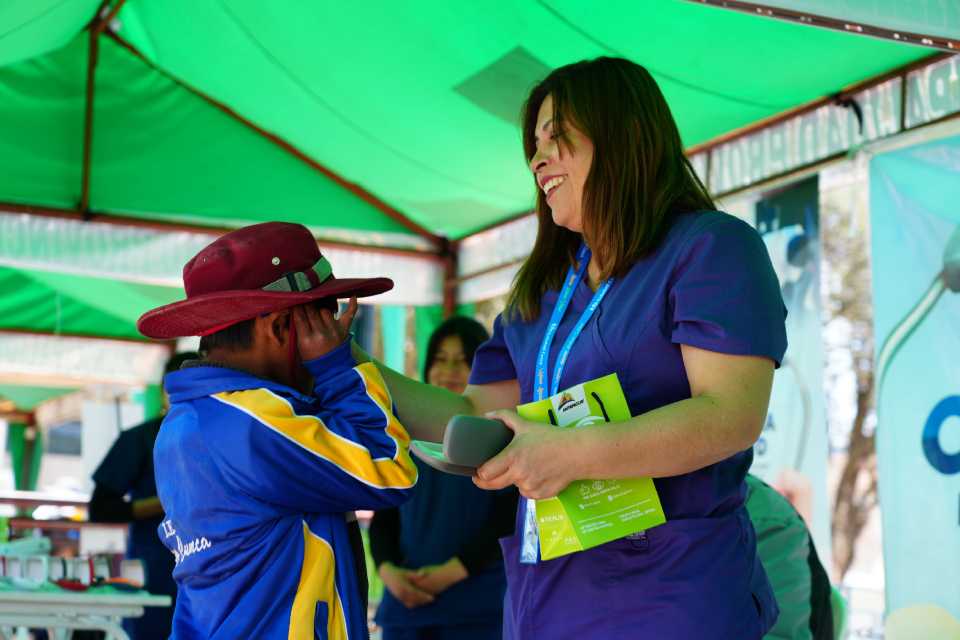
<point x="541" y="382"/>
<point x="530" y="548"/>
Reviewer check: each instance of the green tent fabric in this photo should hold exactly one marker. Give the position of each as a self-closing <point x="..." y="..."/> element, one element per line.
<point x="28" y="398"/>
<point x="75" y="305"/>
<point x="417" y="103"/>
<point x="159" y="151"/>
<point x="399" y="108"/>
<point x="414" y="103"/>
<point x="30" y="28"/>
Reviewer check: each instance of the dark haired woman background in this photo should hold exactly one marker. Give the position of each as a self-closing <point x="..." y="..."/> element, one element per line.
<point x="632" y="272"/>
<point x="438" y="554"/>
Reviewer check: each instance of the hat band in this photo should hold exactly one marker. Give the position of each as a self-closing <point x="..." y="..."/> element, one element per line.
<point x="298" y="281"/>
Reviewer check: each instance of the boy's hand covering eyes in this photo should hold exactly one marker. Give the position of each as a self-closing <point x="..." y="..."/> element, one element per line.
<point x="319" y="332"/>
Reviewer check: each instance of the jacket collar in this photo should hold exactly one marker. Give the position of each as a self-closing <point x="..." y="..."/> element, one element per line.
<point x="205" y="379"/>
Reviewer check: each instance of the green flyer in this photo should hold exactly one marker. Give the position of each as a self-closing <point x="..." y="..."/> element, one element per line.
<point x="591" y="512"/>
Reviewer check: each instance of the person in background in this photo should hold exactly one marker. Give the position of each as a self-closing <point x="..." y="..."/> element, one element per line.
<point x="125" y="491"/>
<point x="438" y="554"/>
<point x="788" y="555"/>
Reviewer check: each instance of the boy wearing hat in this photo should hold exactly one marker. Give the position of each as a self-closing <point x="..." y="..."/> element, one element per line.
<point x="271" y="440"/>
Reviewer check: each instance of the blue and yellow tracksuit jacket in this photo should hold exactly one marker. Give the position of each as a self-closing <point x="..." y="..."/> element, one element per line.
<point x="255" y="479"/>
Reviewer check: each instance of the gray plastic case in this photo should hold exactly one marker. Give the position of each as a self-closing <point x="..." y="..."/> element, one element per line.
<point x="432" y="454"/>
<point x="468" y="442"/>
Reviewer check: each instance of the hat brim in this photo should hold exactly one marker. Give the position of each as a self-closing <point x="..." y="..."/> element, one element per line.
<point x="197" y="315"/>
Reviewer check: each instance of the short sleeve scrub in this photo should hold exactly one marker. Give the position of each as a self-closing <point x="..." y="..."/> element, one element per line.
<point x="710" y="285"/>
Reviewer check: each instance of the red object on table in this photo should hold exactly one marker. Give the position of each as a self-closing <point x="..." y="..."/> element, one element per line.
<point x="71" y="585"/>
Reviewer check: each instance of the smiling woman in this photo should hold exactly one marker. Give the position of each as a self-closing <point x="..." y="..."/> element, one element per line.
<point x="438" y="554"/>
<point x="614" y="179"/>
<point x="561" y="164"/>
<point x="633" y="273"/>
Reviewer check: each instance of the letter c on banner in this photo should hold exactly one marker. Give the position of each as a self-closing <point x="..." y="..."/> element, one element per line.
<point x="946" y="463"/>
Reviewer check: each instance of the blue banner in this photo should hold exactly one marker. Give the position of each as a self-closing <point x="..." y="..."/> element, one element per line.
<point x="915" y="221"/>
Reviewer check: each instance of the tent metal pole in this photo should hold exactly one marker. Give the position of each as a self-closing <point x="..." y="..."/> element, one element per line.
<point x="169" y="227"/>
<point x="105" y="15"/>
<point x="93" y="50"/>
<point x="353" y="188"/>
<point x="83" y="336"/>
<point x="492" y="269"/>
<point x="97" y="26"/>
<point x="784" y="116"/>
<point x="835" y="24"/>
<point x="501" y="223"/>
<point x="10" y="413"/>
<point x="904" y="98"/>
<point x="450" y="284"/>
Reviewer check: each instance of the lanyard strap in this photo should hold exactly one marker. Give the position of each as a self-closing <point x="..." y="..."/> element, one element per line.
<point x="530" y="547"/>
<point x="572" y="280"/>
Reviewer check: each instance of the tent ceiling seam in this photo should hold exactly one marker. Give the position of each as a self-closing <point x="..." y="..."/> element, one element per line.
<point x="346" y="121"/>
<point x="356" y="189"/>
<point x="35" y="18"/>
<point x="81" y="336"/>
<point x="666" y="76"/>
<point x="160" y="225"/>
<point x="834" y="24"/>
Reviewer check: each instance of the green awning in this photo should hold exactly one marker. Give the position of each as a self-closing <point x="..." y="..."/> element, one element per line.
<point x="348" y="117"/>
<point x="27" y="398"/>
<point x="76" y="305"/>
<point x="159" y="151"/>
<point x="416" y="104"/>
<point x="30" y="28"/>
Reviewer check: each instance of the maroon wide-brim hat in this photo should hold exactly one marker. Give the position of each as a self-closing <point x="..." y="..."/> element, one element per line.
<point x="249" y="272"/>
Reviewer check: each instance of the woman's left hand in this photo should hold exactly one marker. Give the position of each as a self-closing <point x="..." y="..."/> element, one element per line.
<point x="537" y="461"/>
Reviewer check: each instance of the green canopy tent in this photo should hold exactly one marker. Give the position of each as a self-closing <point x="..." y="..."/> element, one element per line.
<point x="28" y="398"/>
<point x="24" y="441"/>
<point x="408" y="111"/>
<point x="388" y="126"/>
<point x="390" y="129"/>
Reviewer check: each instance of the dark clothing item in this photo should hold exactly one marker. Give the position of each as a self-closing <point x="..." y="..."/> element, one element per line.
<point x="359" y="561"/>
<point x="106" y="505"/>
<point x="709" y="284"/>
<point x="447" y="517"/>
<point x="821" y="592"/>
<point x="454" y="632"/>
<point x="127" y="470"/>
<point x="789" y="556"/>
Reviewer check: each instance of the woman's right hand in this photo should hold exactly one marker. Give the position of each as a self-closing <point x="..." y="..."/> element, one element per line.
<point x="397" y="581"/>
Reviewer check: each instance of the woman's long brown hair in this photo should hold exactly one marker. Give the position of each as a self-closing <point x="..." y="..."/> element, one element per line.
<point x="639" y="180"/>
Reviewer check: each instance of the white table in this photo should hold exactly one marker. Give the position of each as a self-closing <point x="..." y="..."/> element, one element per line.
<point x="67" y="610"/>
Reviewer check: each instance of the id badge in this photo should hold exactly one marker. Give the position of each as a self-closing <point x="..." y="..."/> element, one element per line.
<point x="530" y="541"/>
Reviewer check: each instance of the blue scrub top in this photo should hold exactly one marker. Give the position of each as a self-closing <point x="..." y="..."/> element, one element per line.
<point x="711" y="285"/>
<point x="127" y="469"/>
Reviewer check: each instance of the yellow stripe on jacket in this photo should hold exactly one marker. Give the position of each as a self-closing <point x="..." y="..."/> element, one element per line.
<point x="318" y="577"/>
<point x="310" y="432"/>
